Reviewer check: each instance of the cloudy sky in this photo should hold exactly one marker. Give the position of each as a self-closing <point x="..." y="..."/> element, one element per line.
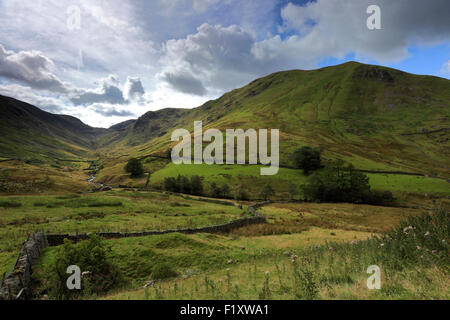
<point x="106" y="61"/>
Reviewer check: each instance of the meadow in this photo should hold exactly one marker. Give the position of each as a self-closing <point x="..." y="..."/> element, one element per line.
<point x="305" y="251"/>
<point x="413" y="258"/>
<point x="114" y="211"/>
<point x="249" y="177"/>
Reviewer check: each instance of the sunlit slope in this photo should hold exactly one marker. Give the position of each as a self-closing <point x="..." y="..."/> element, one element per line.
<point x="375" y="117"/>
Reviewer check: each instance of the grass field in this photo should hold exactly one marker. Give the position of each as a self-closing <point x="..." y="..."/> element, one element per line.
<point x="249" y="177"/>
<point x="115" y="211"/>
<point x="240" y="264"/>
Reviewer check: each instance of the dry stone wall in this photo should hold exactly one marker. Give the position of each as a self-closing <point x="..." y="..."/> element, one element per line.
<point x="17" y="284"/>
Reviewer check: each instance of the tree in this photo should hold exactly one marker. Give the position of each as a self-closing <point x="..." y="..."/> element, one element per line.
<point x="184" y="185"/>
<point x="215" y="191"/>
<point x="148" y="180"/>
<point x="225" y="190"/>
<point x="169" y="153"/>
<point x="240" y="193"/>
<point x="308" y="159"/>
<point x="170" y="184"/>
<point x="293" y="191"/>
<point x="266" y="192"/>
<point x="134" y="167"/>
<point x="196" y="186"/>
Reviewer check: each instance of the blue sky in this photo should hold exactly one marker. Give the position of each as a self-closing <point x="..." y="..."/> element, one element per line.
<point x="108" y="61"/>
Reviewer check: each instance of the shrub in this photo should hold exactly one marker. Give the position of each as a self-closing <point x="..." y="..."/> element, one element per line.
<point x="10" y="204"/>
<point x="90" y="255"/>
<point x="266" y="192"/>
<point x="293" y="191"/>
<point x="307" y="158"/>
<point x="377" y="197"/>
<point x="241" y="193"/>
<point x="134" y="167"/>
<point x="163" y="271"/>
<point x="225" y="190"/>
<point x="215" y="191"/>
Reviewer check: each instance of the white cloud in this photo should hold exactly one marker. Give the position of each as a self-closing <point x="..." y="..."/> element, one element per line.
<point x="47" y="103"/>
<point x="214" y="58"/>
<point x="336" y="28"/>
<point x="184" y="52"/>
<point x="31" y="68"/>
<point x="446" y="68"/>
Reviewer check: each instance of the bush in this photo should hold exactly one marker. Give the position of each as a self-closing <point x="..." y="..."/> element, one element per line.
<point x="241" y="193"/>
<point x="308" y="159"/>
<point x="377" y="197"/>
<point x="10" y="204"/>
<point x="293" y="191"/>
<point x="225" y="190"/>
<point x="134" y="167"/>
<point x="266" y="192"/>
<point x="214" y="190"/>
<point x="163" y="271"/>
<point x="90" y="255"/>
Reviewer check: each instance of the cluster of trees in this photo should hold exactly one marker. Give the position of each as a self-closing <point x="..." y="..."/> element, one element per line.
<point x="336" y="182"/>
<point x="194" y="185"/>
<point x="182" y="184"/>
<point x="342" y="183"/>
<point x="222" y="191"/>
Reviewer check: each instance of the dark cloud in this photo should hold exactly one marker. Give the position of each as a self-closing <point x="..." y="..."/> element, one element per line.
<point x="133" y="89"/>
<point x="185" y="83"/>
<point x="31" y="68"/>
<point x="108" y="92"/>
<point x="110" y="111"/>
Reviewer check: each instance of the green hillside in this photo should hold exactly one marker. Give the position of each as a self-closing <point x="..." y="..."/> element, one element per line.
<point x="374" y="117"/>
<point x="28" y="133"/>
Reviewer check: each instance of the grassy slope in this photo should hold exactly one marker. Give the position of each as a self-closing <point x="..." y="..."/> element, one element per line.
<point x="353" y="111"/>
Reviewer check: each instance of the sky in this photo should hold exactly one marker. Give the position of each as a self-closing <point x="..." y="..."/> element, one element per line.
<point x="107" y="61"/>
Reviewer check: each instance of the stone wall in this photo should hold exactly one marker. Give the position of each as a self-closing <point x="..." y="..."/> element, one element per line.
<point x="256" y="218"/>
<point x="17" y="284"/>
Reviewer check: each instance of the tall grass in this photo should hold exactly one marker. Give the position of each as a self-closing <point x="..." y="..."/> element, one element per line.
<point x="413" y="258"/>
